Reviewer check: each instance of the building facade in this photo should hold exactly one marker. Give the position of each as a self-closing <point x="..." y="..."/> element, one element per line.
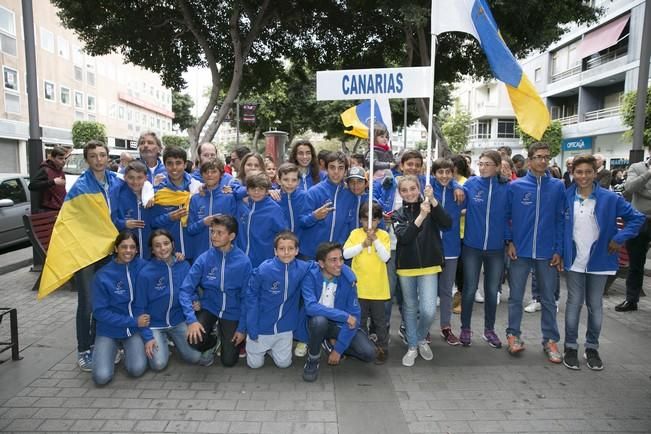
<point x="72" y="86"/>
<point x="582" y="78"/>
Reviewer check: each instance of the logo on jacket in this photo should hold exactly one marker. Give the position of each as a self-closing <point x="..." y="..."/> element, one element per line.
<point x="202" y="211"/>
<point x="479" y="197"/>
<point x="275" y="287"/>
<point x="130" y="214"/>
<point x="527" y="199"/>
<point x="119" y="288"/>
<point x="160" y="285"/>
<point x="212" y="274"/>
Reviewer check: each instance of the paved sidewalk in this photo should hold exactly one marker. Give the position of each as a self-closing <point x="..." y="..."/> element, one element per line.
<point x="476" y="389"/>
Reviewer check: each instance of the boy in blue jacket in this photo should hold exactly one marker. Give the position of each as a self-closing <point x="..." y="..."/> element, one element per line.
<point x="131" y="209"/>
<point x="293" y="200"/>
<point x="331" y="207"/>
<point x="223" y="273"/>
<point x="172" y="199"/>
<point x="272" y="304"/>
<point x="259" y="220"/>
<point x="537" y="202"/>
<point x="209" y="202"/>
<point x="333" y="312"/>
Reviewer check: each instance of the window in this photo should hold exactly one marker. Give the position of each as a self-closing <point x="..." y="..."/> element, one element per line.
<point x="565" y="58"/>
<point x="121" y="112"/>
<point x="538" y="75"/>
<point x="112" y="110"/>
<point x="79" y="116"/>
<point x="79" y="73"/>
<point x="480" y="130"/>
<point x="49" y="91"/>
<point x="10" y="78"/>
<point x="90" y="78"/>
<point x="13" y="189"/>
<point x="47" y="40"/>
<point x="77" y="56"/>
<point x="12" y="103"/>
<point x="7" y="31"/>
<point x="63" y="48"/>
<point x="91" y="117"/>
<point x="90" y="103"/>
<point x="129" y="115"/>
<point x="79" y="99"/>
<point x="506" y="129"/>
<point x="64" y="95"/>
<point x="90" y="70"/>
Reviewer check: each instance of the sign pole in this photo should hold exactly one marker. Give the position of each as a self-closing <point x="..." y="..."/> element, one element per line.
<point x="371" y="141"/>
<point x="430" y="119"/>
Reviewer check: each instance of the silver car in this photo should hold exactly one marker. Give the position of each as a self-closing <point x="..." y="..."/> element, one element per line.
<point x="14" y="203"/>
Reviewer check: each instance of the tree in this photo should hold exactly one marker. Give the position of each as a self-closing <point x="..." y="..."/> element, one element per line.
<point x="628" y="114"/>
<point x="553" y="137"/>
<point x="177" y="141"/>
<point x="181" y="105"/>
<point x="456" y="128"/>
<point x="83" y="131"/>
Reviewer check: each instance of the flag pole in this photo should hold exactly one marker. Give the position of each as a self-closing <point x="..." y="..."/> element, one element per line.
<point x="431" y="113"/>
<point x="371" y="141"/>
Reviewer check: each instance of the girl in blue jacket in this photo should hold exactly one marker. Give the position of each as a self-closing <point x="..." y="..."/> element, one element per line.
<point x="159" y="282"/>
<point x="590" y="252"/>
<point x="305" y="157"/>
<point x="486" y="229"/>
<point x="118" y="318"/>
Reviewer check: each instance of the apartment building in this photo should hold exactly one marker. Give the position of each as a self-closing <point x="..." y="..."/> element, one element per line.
<point x="72" y="85"/>
<point x="582" y="78"/>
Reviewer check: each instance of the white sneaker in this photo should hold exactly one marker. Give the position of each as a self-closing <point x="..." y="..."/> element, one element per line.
<point x="425" y="351"/>
<point x="438" y="301"/>
<point x="410" y="357"/>
<point x="478" y="297"/>
<point x="532" y="307"/>
<point x="498" y="297"/>
<point x="301" y="349"/>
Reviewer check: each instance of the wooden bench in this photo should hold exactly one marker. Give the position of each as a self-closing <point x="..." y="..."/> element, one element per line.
<point x="39" y="230"/>
<point x="13" y="324"/>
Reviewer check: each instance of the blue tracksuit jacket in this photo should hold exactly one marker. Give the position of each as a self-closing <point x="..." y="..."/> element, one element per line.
<point x="273" y="296"/>
<point x="258" y="224"/>
<point x="295" y="207"/>
<point x="451" y="237"/>
<point x="224" y="278"/>
<point x="127" y="206"/>
<point x="608" y="208"/>
<point x="537" y="206"/>
<point x="213" y="202"/>
<point x="487" y="213"/>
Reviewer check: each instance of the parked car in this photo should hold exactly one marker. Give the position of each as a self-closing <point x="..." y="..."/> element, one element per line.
<point x="14" y="203"/>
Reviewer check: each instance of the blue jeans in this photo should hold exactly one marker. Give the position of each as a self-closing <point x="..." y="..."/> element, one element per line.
<point x="446" y="282"/>
<point x="104" y="353"/>
<point x="82" y="282"/>
<point x="589" y="288"/>
<point x="535" y="294"/>
<point x="546" y="281"/>
<point x="419" y="305"/>
<point x="493" y="262"/>
<point x="178" y="334"/>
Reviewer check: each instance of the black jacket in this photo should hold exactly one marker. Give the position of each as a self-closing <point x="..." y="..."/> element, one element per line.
<point x="419" y="247"/>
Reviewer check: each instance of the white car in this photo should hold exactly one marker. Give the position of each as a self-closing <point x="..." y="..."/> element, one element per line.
<point x="14" y="203"/>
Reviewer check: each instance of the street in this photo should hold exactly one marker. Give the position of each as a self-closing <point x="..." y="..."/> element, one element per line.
<point x="476" y="389"/>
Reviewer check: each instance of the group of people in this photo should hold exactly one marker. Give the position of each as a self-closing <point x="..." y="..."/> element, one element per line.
<point x="293" y="260"/>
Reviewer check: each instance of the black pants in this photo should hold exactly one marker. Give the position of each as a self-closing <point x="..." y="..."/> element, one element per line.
<point x="637" y="248"/>
<point x="374" y="309"/>
<point x="321" y="328"/>
<point x="227" y="328"/>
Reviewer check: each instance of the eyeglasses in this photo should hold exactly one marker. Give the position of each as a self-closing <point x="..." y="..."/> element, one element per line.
<point x="482" y="164"/>
<point x="541" y="157"/>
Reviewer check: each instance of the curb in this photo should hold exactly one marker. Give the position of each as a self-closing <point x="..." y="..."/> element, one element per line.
<point x="8" y="268"/>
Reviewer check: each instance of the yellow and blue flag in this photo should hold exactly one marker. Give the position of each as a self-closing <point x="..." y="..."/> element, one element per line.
<point x="169" y="197"/>
<point x="82" y="235"/>
<point x="356" y="119"/>
<point x="474" y="17"/>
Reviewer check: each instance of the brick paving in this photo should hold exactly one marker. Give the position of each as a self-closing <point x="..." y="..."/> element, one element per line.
<point x="476" y="389"/>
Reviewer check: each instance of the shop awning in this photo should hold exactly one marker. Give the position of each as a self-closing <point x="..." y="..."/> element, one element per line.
<point x="603" y="37"/>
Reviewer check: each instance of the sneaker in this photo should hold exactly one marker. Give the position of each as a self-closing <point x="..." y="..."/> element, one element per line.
<point x="499" y="299"/>
<point x="514" y="344"/>
<point x="551" y="350"/>
<point x="410" y="357"/>
<point x="425" y="351"/>
<point x="311" y="369"/>
<point x="478" y="297"/>
<point x="301" y="349"/>
<point x="492" y="339"/>
<point x="207" y="358"/>
<point x="593" y="360"/>
<point x="571" y="359"/>
<point x="327" y="347"/>
<point x="438" y="301"/>
<point x="118" y="356"/>
<point x="373" y="337"/>
<point x="465" y="337"/>
<point x="85" y="360"/>
<point x="242" y="354"/>
<point x="449" y="337"/>
<point x="532" y="307"/>
<point x="380" y="356"/>
<point x="402" y="332"/>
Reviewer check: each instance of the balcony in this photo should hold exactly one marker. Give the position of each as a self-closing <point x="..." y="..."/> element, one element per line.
<point x="607" y="57"/>
<point x="568" y="120"/>
<point x="567" y="73"/>
<point x="602" y="114"/>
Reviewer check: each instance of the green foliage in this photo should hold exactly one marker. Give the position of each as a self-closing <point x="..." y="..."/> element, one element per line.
<point x="628" y="114"/>
<point x="178" y="141"/>
<point x="456" y="128"/>
<point x="553" y="137"/>
<point x="181" y="105"/>
<point x="83" y="131"/>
